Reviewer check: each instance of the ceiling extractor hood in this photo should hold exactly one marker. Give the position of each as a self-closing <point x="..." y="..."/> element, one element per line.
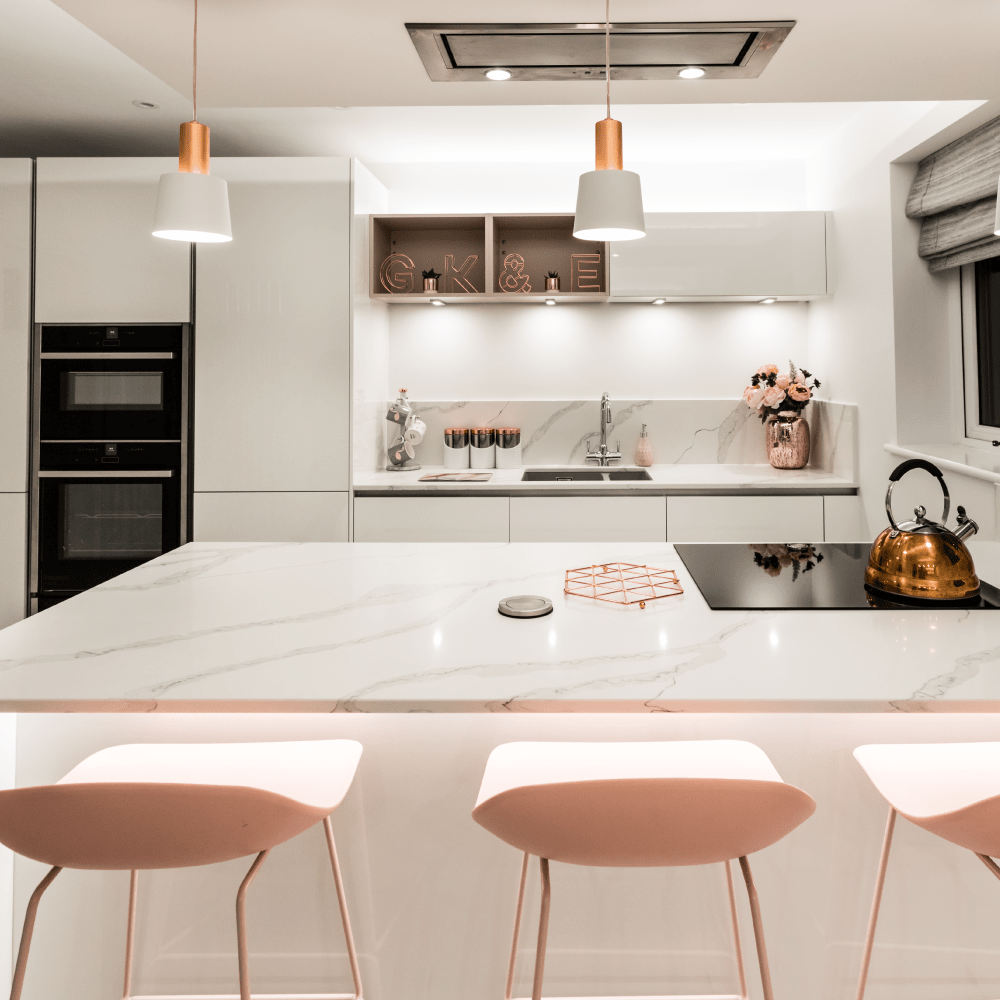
<point x="725" y="50"/>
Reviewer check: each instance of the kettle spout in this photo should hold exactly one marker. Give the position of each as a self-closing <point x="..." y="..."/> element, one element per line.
<point x="966" y="526"/>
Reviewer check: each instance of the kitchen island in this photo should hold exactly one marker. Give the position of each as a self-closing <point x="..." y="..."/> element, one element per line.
<point x="402" y="648"/>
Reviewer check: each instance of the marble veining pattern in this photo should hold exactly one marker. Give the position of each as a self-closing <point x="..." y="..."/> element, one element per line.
<point x="699" y="431"/>
<point x="371" y="628"/>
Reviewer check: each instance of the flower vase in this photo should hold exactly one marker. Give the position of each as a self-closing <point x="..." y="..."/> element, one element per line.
<point x="787" y="440"/>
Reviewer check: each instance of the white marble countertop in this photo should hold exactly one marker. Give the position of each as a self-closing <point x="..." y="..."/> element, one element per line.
<point x="679" y="478"/>
<point x="324" y="627"/>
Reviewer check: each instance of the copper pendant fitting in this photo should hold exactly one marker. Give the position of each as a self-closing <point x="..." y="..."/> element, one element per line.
<point x="608" y="142"/>
<point x="194" y="148"/>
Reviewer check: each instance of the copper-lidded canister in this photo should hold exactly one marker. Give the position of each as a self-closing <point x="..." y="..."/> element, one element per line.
<point x="922" y="560"/>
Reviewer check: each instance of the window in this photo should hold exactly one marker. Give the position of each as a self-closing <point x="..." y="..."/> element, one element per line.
<point x="981" y="345"/>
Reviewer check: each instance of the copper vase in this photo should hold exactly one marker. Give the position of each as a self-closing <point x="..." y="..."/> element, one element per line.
<point x="787" y="440"/>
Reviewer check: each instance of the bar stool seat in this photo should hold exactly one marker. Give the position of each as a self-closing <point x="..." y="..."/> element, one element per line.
<point x="147" y="806"/>
<point x="638" y="805"/>
<point x="949" y="789"/>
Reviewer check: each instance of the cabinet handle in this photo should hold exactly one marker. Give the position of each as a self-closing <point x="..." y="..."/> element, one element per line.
<point x="107" y="355"/>
<point x="108" y="474"/>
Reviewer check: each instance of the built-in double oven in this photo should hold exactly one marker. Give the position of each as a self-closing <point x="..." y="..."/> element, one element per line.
<point x="110" y="456"/>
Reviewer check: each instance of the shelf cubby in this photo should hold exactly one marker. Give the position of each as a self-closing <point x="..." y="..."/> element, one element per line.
<point x="484" y="258"/>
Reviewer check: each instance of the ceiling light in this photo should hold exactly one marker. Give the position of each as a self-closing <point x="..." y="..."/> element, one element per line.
<point x="609" y="198"/>
<point x="691" y="73"/>
<point x="659" y="302"/>
<point x="437" y="302"/>
<point x="498" y="74"/>
<point x="550" y="302"/>
<point x="767" y="302"/>
<point x="191" y="205"/>
<point x="146" y="105"/>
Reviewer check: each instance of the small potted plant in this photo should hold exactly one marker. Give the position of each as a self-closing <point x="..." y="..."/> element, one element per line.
<point x="779" y="399"/>
<point x="430" y="280"/>
<point x="552" y="281"/>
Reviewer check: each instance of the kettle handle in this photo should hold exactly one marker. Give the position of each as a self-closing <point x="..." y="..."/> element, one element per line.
<point x="901" y="470"/>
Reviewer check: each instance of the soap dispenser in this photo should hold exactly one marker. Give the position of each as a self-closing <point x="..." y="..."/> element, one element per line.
<point x="644" y="450"/>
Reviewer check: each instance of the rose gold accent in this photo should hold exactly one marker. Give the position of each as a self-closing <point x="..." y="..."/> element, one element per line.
<point x="194" y="142"/>
<point x="241" y="924"/>
<point x="543" y="930"/>
<point x="758" y="930"/>
<point x="430" y="284"/>
<point x="513" y="278"/>
<point x="345" y="917"/>
<point x="622" y="583"/>
<point x="133" y="895"/>
<point x="608" y="144"/>
<point x="552" y="284"/>
<point x="731" y="891"/>
<point x="517" y="925"/>
<point x="457" y="278"/>
<point x="29" y="926"/>
<point x="913" y="564"/>
<point x="396" y="280"/>
<point x="883" y="863"/>
<point x="577" y="272"/>
<point x="787" y="440"/>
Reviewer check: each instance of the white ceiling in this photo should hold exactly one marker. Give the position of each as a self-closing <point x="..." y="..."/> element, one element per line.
<point x="272" y="73"/>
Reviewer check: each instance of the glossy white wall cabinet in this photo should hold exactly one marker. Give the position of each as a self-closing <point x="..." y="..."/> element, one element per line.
<point x="15" y="341"/>
<point x="744" y="519"/>
<point x="721" y="255"/>
<point x="96" y="260"/>
<point x="13" y="547"/>
<point x="270" y="517"/>
<point x="431" y="519"/>
<point x="272" y="322"/>
<point x="588" y="519"/>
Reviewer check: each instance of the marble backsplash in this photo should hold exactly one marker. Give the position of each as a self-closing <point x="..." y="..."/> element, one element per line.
<point x="697" y="431"/>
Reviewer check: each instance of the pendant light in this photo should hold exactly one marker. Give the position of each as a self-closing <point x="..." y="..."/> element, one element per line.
<point x="191" y="204"/>
<point x="609" y="199"/>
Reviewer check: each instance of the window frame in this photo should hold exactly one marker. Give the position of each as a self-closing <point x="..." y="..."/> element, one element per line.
<point x="974" y="430"/>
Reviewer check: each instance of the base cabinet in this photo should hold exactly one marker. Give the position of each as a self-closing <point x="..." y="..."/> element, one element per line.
<point x="270" y="517"/>
<point x="588" y="519"/>
<point x="745" y="519"/>
<point x="431" y="519"/>
<point x="13" y="522"/>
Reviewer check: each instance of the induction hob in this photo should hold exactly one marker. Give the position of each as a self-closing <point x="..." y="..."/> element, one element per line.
<point x="807" y="576"/>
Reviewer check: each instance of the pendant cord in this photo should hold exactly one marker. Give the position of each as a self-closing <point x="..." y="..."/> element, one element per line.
<point x="194" y="75"/>
<point x="607" y="48"/>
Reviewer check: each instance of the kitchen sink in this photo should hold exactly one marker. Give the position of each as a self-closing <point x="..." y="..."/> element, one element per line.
<point x="580" y="475"/>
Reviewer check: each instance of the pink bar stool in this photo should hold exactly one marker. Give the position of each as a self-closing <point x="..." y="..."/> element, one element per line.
<point x="177" y="805"/>
<point x="638" y="805"/>
<point x="949" y="789"/>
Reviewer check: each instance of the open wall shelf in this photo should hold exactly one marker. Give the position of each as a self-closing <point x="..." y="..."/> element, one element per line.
<point x="484" y="258"/>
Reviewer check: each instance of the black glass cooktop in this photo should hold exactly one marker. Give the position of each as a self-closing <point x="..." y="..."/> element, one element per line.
<point x="777" y="577"/>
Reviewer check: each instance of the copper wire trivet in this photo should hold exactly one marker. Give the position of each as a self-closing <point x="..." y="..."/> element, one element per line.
<point x="622" y="583"/>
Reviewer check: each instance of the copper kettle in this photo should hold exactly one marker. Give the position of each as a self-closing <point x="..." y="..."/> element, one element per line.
<point x="921" y="559"/>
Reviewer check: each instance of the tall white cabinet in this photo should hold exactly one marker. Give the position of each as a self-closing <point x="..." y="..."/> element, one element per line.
<point x="272" y="355"/>
<point x="15" y="338"/>
<point x="96" y="259"/>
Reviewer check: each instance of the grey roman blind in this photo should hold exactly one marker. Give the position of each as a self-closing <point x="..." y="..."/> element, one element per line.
<point x="955" y="194"/>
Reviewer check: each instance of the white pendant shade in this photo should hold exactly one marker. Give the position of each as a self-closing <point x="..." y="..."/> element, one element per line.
<point x="193" y="207"/>
<point x="609" y="206"/>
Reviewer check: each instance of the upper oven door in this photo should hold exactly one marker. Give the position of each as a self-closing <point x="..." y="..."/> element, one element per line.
<point x="91" y="389"/>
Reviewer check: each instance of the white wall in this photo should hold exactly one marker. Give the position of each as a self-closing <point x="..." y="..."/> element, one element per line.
<point x="728" y="186"/>
<point x="641" y="351"/>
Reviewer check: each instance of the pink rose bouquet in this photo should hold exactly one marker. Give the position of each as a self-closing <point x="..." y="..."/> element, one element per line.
<point x="771" y="391"/>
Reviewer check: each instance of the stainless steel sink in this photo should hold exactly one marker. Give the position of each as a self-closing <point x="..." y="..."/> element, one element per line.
<point x="581" y="475"/>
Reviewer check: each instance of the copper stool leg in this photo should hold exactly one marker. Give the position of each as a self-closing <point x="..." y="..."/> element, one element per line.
<point x="241" y="925"/>
<point x="133" y="893"/>
<point x="29" y="926"/>
<point x="736" y="929"/>
<point x="342" y="900"/>
<point x="517" y="926"/>
<point x="866" y="955"/>
<point x="543" y="931"/>
<point x="758" y="930"/>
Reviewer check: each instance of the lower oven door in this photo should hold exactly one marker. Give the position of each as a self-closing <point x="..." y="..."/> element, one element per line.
<point x="94" y="525"/>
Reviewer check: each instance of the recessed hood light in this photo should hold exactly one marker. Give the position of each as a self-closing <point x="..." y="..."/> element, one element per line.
<point x="767" y="302"/>
<point x="691" y="73"/>
<point x="437" y="302"/>
<point x="146" y="105"/>
<point x="498" y="74"/>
